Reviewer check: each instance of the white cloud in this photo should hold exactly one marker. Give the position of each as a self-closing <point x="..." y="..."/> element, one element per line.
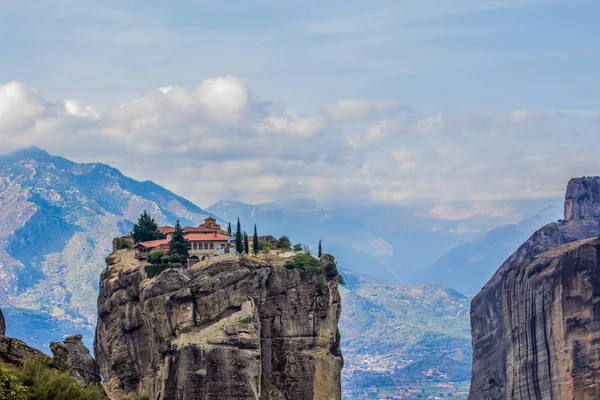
<point x="224" y="99"/>
<point x="358" y="109"/>
<point x="216" y="141"/>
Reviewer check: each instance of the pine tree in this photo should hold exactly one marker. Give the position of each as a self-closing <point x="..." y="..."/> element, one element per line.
<point x="146" y="229"/>
<point x="320" y="249"/>
<point x="255" y="246"/>
<point x="246" y="246"/>
<point x="179" y="244"/>
<point x="229" y="228"/>
<point x="239" y="247"/>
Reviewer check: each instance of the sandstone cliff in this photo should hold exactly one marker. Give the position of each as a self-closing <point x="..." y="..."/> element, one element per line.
<point x="230" y="328"/>
<point x="534" y="323"/>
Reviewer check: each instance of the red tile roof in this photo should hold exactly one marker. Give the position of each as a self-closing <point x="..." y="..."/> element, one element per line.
<point x="165" y="229"/>
<point x="193" y="237"/>
<point x="208" y="237"/>
<point x="154" y="243"/>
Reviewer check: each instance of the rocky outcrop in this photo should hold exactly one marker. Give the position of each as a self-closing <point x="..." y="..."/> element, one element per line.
<point x="582" y="200"/>
<point x="228" y="328"/>
<point x="534" y="323"/>
<point x="14" y="352"/>
<point x="73" y="357"/>
<point x="2" y="324"/>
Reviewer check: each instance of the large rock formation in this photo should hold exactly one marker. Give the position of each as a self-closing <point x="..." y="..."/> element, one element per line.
<point x="73" y="357"/>
<point x="228" y="328"/>
<point x="534" y="324"/>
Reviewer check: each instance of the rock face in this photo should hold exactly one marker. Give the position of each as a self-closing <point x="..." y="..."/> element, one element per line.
<point x="13" y="352"/>
<point x="2" y="324"/>
<point x="582" y="199"/>
<point x="534" y="324"/>
<point x="73" y="357"/>
<point x="230" y="328"/>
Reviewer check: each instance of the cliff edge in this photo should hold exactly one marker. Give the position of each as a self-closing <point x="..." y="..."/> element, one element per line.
<point x="534" y="324"/>
<point x="227" y="328"/>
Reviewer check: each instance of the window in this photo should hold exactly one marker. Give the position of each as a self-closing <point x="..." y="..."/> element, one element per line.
<point x="212" y="245"/>
<point x="205" y="245"/>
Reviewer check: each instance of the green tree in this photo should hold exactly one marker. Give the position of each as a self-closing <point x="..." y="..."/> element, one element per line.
<point x="11" y="388"/>
<point x="284" y="243"/>
<point x="297" y="247"/>
<point x="179" y="245"/>
<point x="229" y="228"/>
<point x="320" y="253"/>
<point x="255" y="246"/>
<point x="239" y="246"/>
<point x="146" y="229"/>
<point x="246" y="246"/>
<point x="155" y="257"/>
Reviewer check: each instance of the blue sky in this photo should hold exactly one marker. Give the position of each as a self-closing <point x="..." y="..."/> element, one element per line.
<point x="457" y="90"/>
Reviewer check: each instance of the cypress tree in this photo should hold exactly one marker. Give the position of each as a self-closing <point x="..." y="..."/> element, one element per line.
<point x="179" y="244"/>
<point x="246" y="247"/>
<point x="255" y="241"/>
<point x="229" y="228"/>
<point x="239" y="247"/>
<point x="146" y="229"/>
<point x="320" y="249"/>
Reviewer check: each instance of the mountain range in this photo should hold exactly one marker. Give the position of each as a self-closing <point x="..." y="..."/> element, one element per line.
<point x="58" y="219"/>
<point x="57" y="222"/>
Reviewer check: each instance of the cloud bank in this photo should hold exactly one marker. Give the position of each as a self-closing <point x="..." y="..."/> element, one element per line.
<point x="218" y="141"/>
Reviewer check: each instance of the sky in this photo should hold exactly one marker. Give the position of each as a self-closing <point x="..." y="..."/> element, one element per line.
<point x="357" y="102"/>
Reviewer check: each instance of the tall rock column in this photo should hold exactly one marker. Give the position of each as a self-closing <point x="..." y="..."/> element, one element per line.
<point x="536" y="324"/>
<point x="229" y="328"/>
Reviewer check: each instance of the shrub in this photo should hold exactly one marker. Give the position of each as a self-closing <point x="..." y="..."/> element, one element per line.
<point x="263" y="245"/>
<point x="156" y="270"/>
<point x="142" y="398"/>
<point x="46" y="383"/>
<point x="11" y="388"/>
<point x="331" y="270"/>
<point x="155" y="257"/>
<point x="175" y="258"/>
<point x="297" y="247"/>
<point x="123" y="243"/>
<point x="341" y="280"/>
<point x="321" y="285"/>
<point x="306" y="264"/>
<point x="283" y="243"/>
